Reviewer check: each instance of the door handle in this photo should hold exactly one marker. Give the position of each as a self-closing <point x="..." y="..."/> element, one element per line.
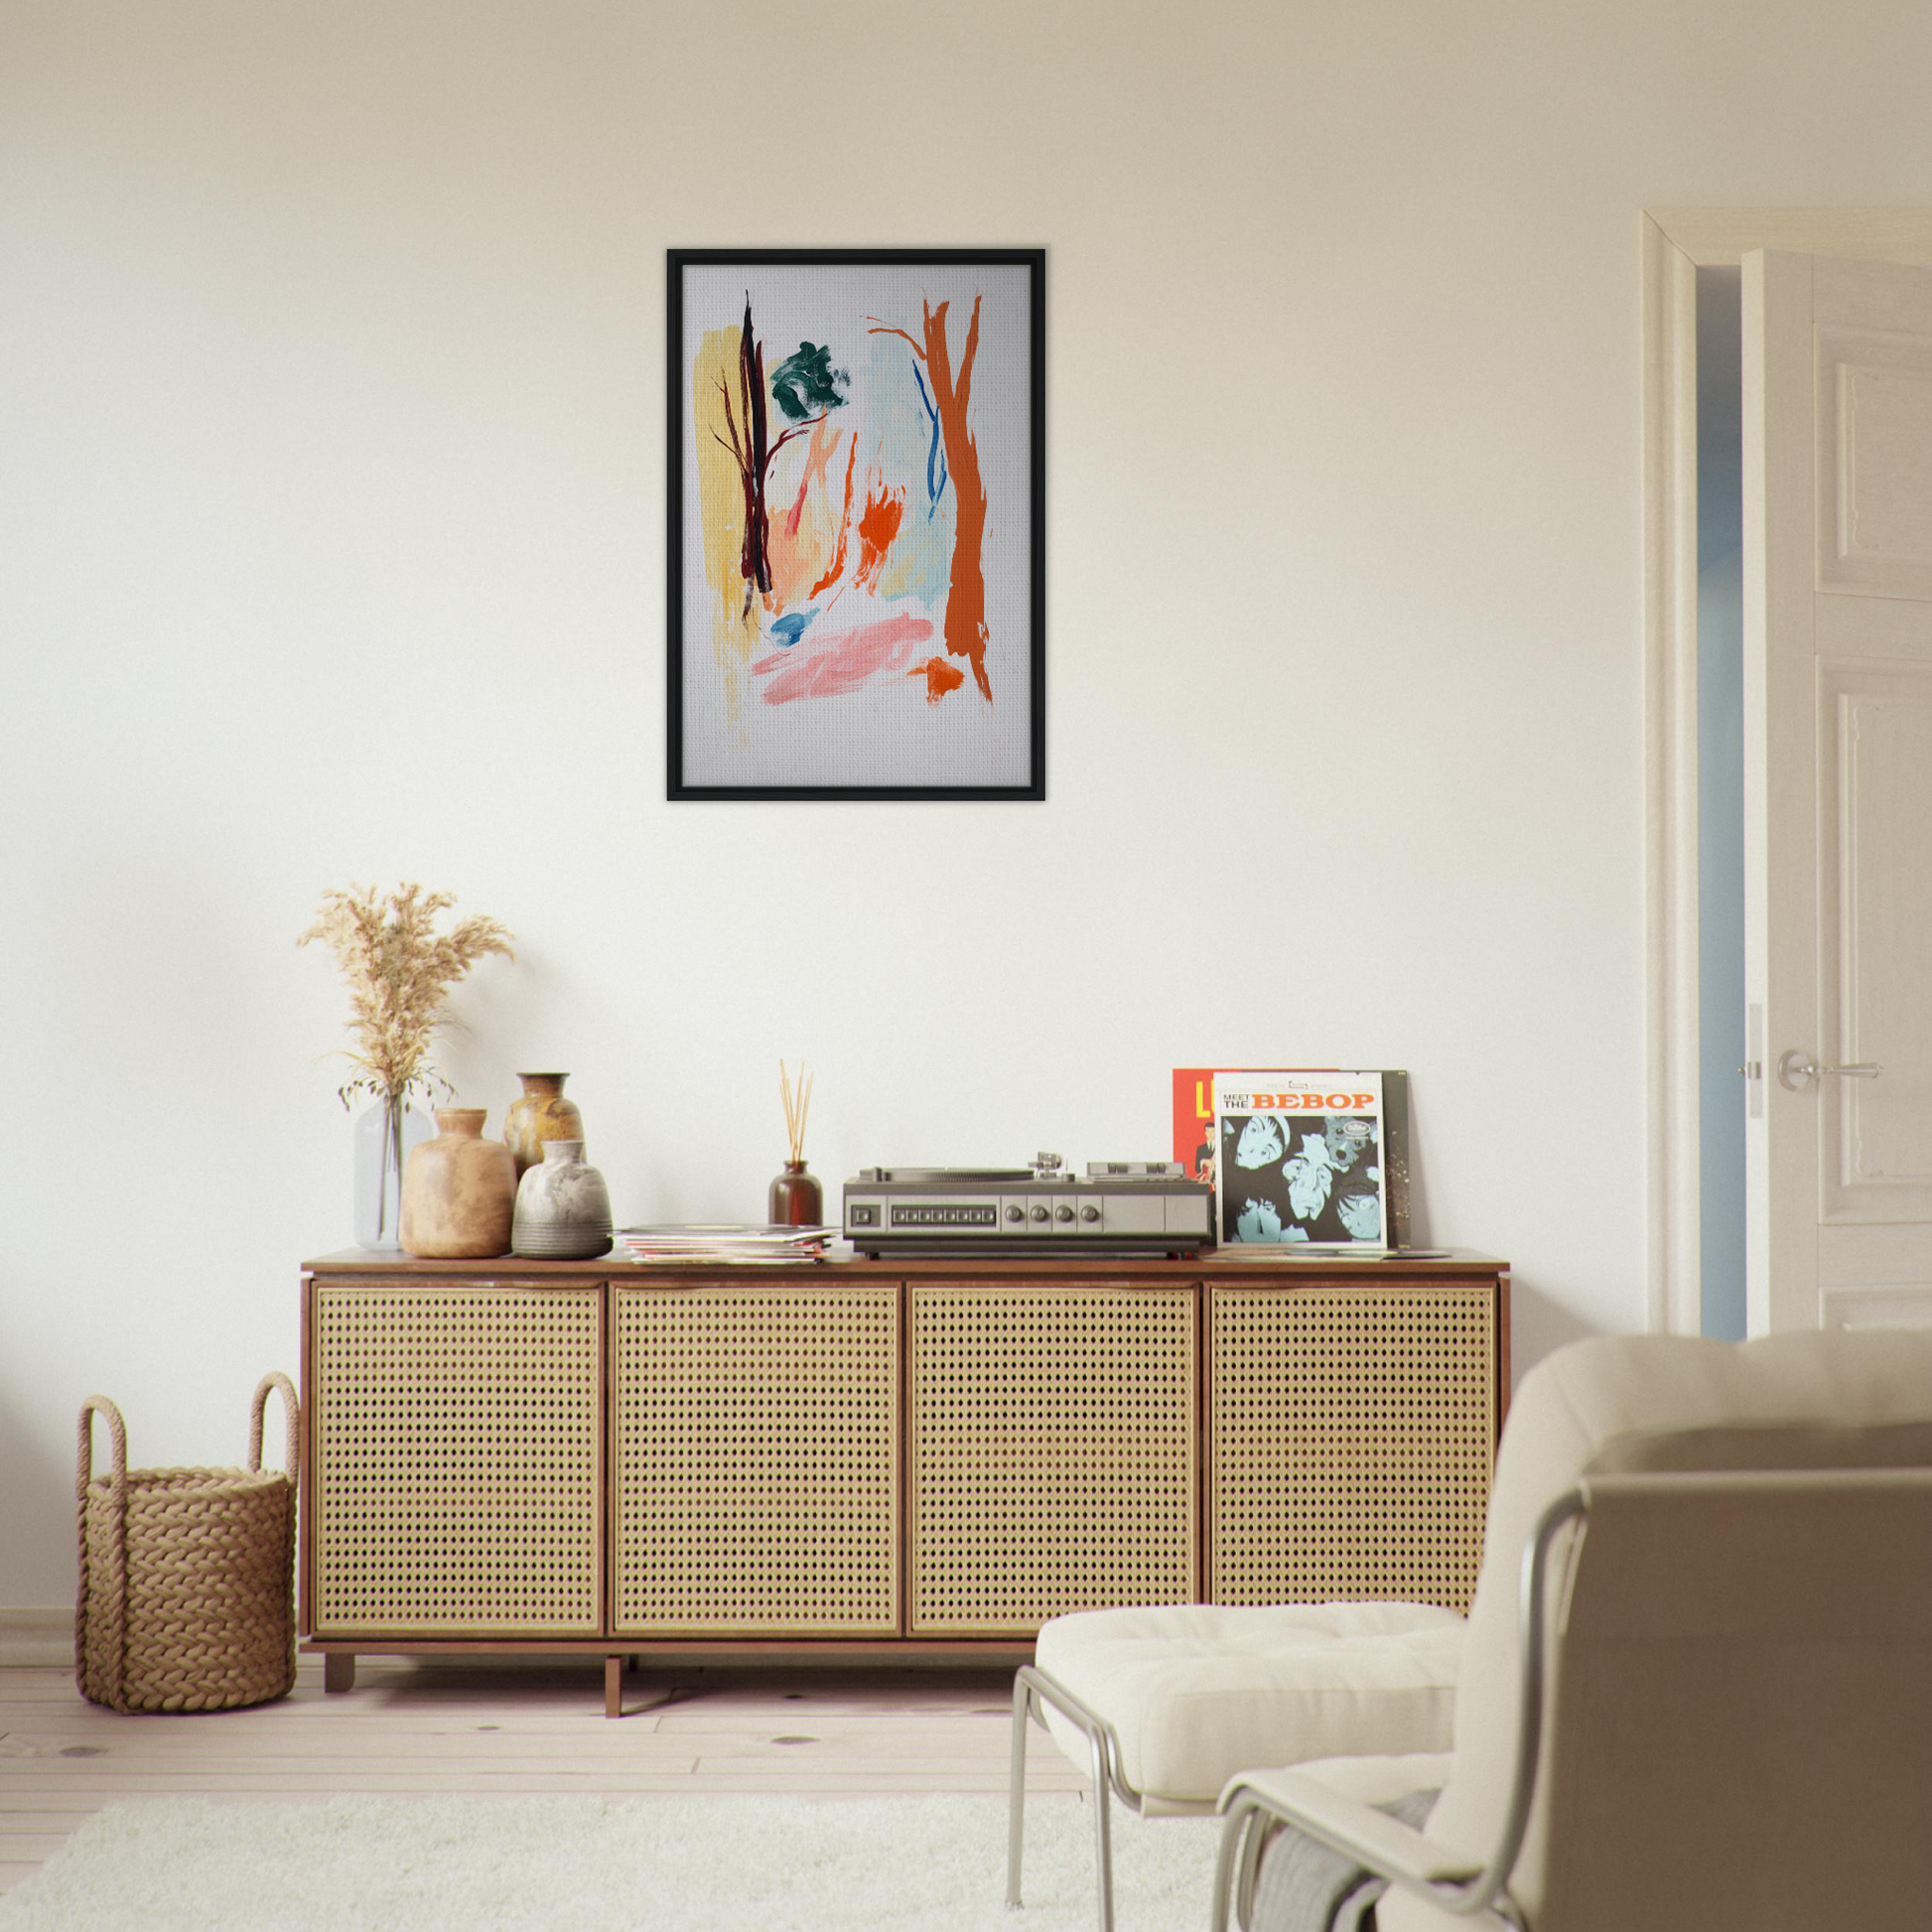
<point x="1797" y="1070"/>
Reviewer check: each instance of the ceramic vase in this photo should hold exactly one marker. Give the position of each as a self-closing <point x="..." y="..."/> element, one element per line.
<point x="385" y="1136"/>
<point x="459" y="1190"/>
<point x="795" y="1199"/>
<point x="539" y="1114"/>
<point x="563" y="1208"/>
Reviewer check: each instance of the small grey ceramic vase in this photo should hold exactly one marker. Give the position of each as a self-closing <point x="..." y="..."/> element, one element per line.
<point x="563" y="1208"/>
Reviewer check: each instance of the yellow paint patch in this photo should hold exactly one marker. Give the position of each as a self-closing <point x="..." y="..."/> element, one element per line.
<point x="720" y="501"/>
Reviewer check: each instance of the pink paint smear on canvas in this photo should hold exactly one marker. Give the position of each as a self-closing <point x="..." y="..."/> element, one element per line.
<point x="844" y="662"/>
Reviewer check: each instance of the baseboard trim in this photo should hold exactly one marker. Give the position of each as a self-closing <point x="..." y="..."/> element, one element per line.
<point x="40" y="1635"/>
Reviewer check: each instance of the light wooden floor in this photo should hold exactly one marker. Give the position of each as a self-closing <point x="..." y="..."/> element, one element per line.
<point x="510" y="1728"/>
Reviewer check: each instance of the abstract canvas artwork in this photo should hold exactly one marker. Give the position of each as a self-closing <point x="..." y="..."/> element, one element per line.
<point x="856" y="530"/>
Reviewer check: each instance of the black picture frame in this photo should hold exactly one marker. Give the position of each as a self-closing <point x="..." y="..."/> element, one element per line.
<point x="681" y="445"/>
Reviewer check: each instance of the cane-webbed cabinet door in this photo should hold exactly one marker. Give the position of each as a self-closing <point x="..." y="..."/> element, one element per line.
<point x="1053" y="1433"/>
<point x="457" y="1446"/>
<point x="1351" y="1437"/>
<point x="756" y="1433"/>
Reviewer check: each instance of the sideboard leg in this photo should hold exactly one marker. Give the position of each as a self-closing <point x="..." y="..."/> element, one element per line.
<point x="339" y="1670"/>
<point x="614" y="1687"/>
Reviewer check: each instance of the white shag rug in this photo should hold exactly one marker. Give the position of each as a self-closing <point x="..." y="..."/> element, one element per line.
<point x="756" y="1863"/>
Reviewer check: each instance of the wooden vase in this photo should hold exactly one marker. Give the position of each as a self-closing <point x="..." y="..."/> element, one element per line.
<point x="459" y="1190"/>
<point x="540" y="1113"/>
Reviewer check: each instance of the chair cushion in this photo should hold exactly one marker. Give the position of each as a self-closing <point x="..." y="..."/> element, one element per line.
<point x="1379" y="1780"/>
<point x="1198" y="1691"/>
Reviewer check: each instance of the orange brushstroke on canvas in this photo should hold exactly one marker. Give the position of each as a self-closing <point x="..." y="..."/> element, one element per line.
<point x="966" y="634"/>
<point x="877" y="529"/>
<point x="966" y="602"/>
<point x="940" y="677"/>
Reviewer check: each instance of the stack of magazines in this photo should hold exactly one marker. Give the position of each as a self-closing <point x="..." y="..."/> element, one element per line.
<point x="698" y="1241"/>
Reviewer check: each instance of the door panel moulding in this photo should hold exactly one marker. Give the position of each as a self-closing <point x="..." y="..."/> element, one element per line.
<point x="1674" y="244"/>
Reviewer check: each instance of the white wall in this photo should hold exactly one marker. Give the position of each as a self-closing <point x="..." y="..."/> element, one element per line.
<point x="332" y="450"/>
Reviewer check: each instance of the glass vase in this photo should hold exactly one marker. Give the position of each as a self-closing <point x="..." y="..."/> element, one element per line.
<point x="384" y="1135"/>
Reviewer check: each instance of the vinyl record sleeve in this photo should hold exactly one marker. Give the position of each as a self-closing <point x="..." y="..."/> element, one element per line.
<point x="1196" y="1147"/>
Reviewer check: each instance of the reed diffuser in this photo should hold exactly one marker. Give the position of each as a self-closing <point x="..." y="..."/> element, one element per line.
<point x="795" y="1200"/>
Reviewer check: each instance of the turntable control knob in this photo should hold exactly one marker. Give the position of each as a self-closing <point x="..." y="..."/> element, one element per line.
<point x="1039" y="1214"/>
<point x="1090" y="1213"/>
<point x="1064" y="1214"/>
<point x="1016" y="1212"/>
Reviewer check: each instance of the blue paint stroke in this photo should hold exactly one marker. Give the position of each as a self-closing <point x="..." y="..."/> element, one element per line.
<point x="788" y="628"/>
<point x="937" y="453"/>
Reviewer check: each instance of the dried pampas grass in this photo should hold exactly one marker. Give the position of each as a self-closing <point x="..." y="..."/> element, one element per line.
<point x="398" y="969"/>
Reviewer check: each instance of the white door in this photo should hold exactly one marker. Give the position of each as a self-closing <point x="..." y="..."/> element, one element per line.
<point x="1838" y="781"/>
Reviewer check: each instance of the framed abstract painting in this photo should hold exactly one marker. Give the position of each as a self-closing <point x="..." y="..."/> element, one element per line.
<point x="856" y="540"/>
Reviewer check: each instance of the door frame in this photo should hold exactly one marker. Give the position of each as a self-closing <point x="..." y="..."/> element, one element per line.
<point x="1675" y="243"/>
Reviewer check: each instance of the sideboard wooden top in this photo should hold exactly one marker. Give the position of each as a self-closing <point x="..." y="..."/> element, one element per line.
<point x="1221" y="1265"/>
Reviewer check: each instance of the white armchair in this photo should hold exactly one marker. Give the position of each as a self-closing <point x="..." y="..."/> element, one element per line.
<point x="1697" y="1684"/>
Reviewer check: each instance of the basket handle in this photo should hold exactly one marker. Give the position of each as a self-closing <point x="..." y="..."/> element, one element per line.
<point x="291" y="1409"/>
<point x="112" y="1641"/>
<point x="117" y="1432"/>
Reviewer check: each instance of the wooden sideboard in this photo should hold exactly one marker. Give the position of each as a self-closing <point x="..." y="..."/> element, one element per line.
<point x="879" y="1460"/>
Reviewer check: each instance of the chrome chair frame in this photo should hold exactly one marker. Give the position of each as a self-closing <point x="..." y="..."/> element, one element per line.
<point x="1031" y="1689"/>
<point x="1253" y="1816"/>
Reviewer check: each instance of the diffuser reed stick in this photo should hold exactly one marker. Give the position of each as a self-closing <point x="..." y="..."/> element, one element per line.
<point x="797" y="1104"/>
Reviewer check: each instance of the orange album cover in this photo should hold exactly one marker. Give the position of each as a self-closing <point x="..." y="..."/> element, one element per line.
<point x="1194" y="1112"/>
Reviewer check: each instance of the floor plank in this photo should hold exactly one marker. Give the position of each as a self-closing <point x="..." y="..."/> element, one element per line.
<point x="58" y="1754"/>
<point x="25" y="1847"/>
<point x="510" y="1728"/>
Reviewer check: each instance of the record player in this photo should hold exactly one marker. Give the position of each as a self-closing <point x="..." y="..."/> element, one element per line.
<point x="1132" y="1207"/>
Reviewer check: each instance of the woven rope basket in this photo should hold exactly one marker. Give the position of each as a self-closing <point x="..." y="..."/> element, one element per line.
<point x="187" y="1575"/>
